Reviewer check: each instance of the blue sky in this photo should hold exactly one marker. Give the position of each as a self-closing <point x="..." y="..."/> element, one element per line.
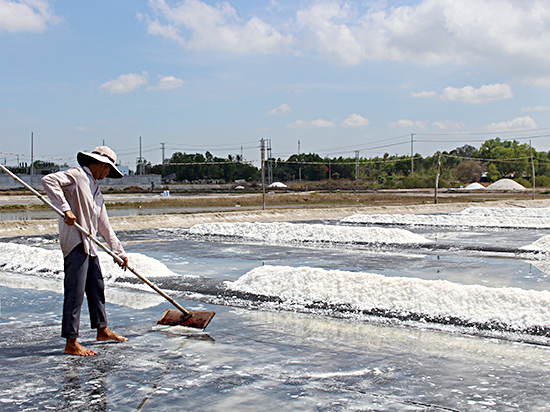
<point x="338" y="76"/>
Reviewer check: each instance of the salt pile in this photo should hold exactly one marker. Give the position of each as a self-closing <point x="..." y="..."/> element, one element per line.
<point x="543" y="244"/>
<point x="283" y="233"/>
<point x="49" y="263"/>
<point x="474" y="186"/>
<point x="472" y="217"/>
<point x="518" y="308"/>
<point x="505" y="184"/>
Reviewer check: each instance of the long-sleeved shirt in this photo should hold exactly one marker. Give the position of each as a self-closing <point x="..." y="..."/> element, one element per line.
<point x="77" y="190"/>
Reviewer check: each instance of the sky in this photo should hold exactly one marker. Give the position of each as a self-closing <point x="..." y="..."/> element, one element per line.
<point x="328" y="77"/>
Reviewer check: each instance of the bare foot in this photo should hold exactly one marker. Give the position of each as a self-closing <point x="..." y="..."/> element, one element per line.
<point x="74" y="348"/>
<point x="107" y="334"/>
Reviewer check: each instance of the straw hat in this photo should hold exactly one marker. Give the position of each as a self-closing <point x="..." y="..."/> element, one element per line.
<point x="101" y="154"/>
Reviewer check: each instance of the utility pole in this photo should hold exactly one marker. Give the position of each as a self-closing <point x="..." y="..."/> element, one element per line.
<point x="32" y="155"/>
<point x="269" y="162"/>
<point x="356" y="163"/>
<point x="533" y="167"/>
<point x="140" y="158"/>
<point x="412" y="155"/>
<point x="263" y="172"/>
<point x="299" y="164"/>
<point x="162" y="149"/>
<point x="437" y="175"/>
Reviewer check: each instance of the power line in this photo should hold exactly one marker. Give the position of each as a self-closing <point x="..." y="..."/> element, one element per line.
<point x="483" y="133"/>
<point x="362" y="147"/>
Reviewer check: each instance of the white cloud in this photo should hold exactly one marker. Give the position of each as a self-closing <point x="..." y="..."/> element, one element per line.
<point x="403" y="123"/>
<point x="168" y="31"/>
<point x="484" y="94"/>
<point x="26" y="16"/>
<point x="125" y="83"/>
<point x="448" y="124"/>
<point x="519" y="123"/>
<point x="215" y="28"/>
<point x="167" y="83"/>
<point x="310" y="125"/>
<point x="333" y="31"/>
<point x="538" y="81"/>
<point x="500" y="32"/>
<point x="81" y="128"/>
<point x="274" y="5"/>
<point x="355" y="120"/>
<point x="322" y="123"/>
<point x="510" y="35"/>
<point x="423" y="95"/>
<point x="284" y="108"/>
<point x="537" y="109"/>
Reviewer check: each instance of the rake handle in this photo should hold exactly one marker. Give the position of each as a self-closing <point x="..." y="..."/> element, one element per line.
<point x="96" y="241"/>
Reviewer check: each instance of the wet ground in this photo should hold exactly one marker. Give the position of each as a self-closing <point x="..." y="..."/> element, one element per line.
<point x="267" y="360"/>
<point x="259" y="361"/>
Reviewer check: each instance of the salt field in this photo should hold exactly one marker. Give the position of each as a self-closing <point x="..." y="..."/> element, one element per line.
<point x="393" y="312"/>
<point x="472" y="217"/>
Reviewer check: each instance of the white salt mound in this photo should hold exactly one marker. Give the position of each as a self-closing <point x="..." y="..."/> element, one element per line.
<point x="49" y="263"/>
<point x="505" y="184"/>
<point x="543" y="244"/>
<point x="474" y="186"/>
<point x="512" y="306"/>
<point x="284" y="233"/>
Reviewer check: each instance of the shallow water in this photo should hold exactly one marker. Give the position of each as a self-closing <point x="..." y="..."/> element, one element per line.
<point x="256" y="360"/>
<point x="259" y="361"/>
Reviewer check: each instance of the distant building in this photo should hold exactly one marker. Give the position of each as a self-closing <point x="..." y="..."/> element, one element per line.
<point x="45" y="168"/>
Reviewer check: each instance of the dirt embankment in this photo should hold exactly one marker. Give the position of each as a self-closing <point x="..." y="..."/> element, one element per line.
<point x="49" y="226"/>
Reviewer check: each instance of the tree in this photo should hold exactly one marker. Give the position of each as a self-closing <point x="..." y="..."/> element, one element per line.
<point x="492" y="172"/>
<point x="470" y="171"/>
<point x="465" y="151"/>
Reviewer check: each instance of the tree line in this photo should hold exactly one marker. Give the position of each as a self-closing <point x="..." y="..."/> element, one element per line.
<point x="494" y="159"/>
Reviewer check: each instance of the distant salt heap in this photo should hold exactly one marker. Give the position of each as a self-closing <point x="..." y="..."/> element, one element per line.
<point x="505" y="184"/>
<point x="474" y="186"/>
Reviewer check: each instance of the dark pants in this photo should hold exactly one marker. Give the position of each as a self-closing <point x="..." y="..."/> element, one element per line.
<point x="82" y="275"/>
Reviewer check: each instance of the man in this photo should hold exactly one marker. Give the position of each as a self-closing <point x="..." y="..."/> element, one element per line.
<point x="76" y="193"/>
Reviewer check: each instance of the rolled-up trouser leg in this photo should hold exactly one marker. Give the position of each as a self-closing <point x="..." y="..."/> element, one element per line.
<point x="76" y="269"/>
<point x="95" y="292"/>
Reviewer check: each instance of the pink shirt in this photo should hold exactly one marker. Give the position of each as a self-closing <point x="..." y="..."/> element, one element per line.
<point x="77" y="190"/>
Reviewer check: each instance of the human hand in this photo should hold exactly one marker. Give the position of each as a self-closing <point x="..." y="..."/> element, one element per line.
<point x="70" y="218"/>
<point x="123" y="264"/>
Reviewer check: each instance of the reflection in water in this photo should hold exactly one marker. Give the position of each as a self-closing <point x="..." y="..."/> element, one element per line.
<point x="396" y="339"/>
<point x="84" y="388"/>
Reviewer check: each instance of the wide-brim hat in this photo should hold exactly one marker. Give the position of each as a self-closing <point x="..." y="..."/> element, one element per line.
<point x="101" y="154"/>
